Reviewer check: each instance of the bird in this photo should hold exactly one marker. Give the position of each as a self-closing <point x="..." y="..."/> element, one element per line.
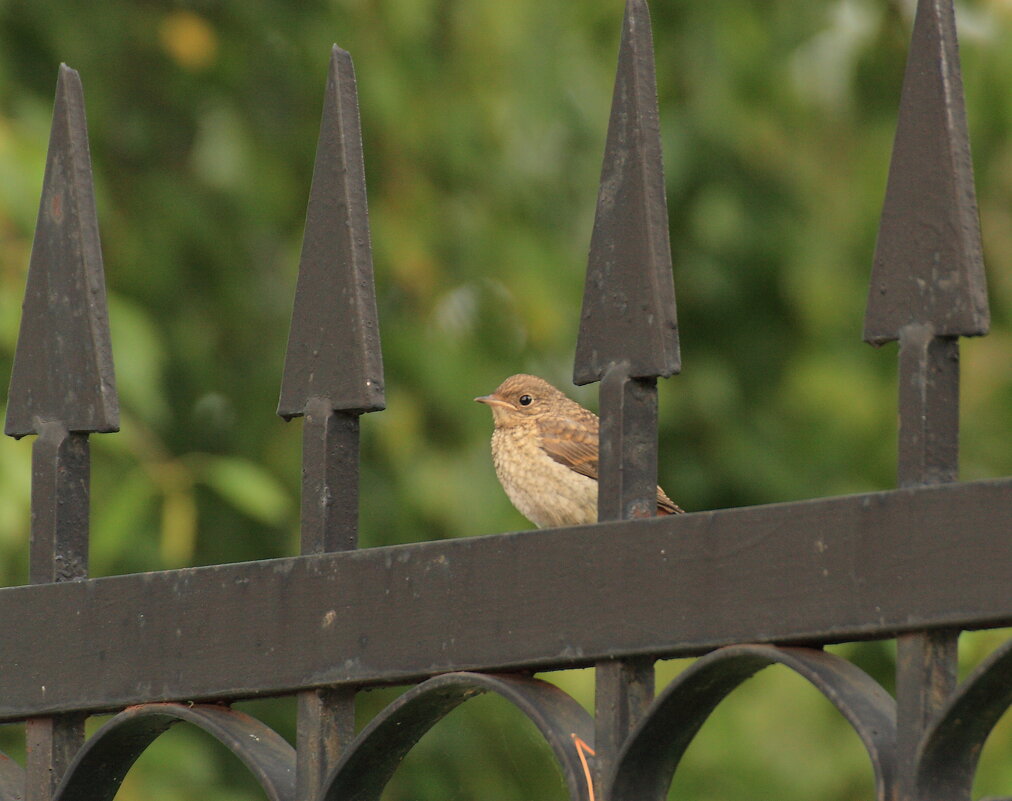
<point x="544" y="449"/>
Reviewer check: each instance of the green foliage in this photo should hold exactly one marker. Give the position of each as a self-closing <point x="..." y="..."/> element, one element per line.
<point x="484" y="125"/>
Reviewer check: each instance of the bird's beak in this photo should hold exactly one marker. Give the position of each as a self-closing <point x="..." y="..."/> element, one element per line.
<point x="492" y="400"/>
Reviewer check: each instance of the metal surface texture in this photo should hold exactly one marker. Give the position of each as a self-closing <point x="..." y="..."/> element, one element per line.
<point x="330" y="456"/>
<point x="330" y="452"/>
<point x="928" y="407"/>
<point x="324" y="728"/>
<point x="927" y="288"/>
<point x="61" y="471"/>
<point x="823" y="570"/>
<point x="651" y="756"/>
<point x="12" y="780"/>
<point x="629" y="299"/>
<point x="334" y="346"/>
<point x="928" y="454"/>
<point x="623" y="691"/>
<point x="333" y="373"/>
<point x="946" y="759"/>
<point x="62" y="388"/>
<point x="103" y="762"/>
<point x="628" y="336"/>
<point x="928" y="267"/>
<point x="627" y="488"/>
<point x="63" y="361"/>
<point x="374" y="756"/>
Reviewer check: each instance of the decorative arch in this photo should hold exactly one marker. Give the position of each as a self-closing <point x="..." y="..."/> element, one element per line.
<point x="650" y="757"/>
<point x="99" y="768"/>
<point x="948" y="756"/>
<point x="371" y="760"/>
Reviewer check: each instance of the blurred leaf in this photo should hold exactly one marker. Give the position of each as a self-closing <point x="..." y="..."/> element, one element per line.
<point x="139" y="359"/>
<point x="245" y="485"/>
<point x="179" y="527"/>
<point x="117" y="522"/>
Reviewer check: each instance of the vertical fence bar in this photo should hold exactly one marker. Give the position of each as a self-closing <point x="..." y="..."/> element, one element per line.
<point x="927" y="289"/>
<point x="330" y="448"/>
<point x="333" y="374"/>
<point x="628" y="450"/>
<point x="928" y="454"/>
<point x="58" y="552"/>
<point x="62" y="387"/>
<point x="926" y="662"/>
<point x="628" y="337"/>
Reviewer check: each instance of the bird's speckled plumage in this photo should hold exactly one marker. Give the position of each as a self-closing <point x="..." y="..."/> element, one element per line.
<point x="544" y="448"/>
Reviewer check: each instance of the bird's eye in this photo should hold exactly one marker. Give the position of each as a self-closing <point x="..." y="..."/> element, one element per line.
<point x="525" y="400"/>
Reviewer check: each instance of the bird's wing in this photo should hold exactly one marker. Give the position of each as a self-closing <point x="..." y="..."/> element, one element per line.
<point x="574" y="442"/>
<point x="571" y="442"/>
<point x="666" y="506"/>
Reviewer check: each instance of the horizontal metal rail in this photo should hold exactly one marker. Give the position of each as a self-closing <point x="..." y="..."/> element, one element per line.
<point x="813" y="571"/>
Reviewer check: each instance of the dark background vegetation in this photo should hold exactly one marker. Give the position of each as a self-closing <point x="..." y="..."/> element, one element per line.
<point x="484" y="125"/>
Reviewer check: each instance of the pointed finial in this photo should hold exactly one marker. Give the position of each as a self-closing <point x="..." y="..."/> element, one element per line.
<point x="629" y="298"/>
<point x="63" y="362"/>
<point x="928" y="265"/>
<point x="334" y="345"/>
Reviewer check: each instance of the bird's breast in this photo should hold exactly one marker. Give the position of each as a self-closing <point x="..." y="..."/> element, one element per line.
<point x="545" y="492"/>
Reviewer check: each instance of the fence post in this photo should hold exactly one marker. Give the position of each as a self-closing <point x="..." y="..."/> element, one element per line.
<point x="928" y="289"/>
<point x="62" y="388"/>
<point x="333" y="373"/>
<point x="628" y="337"/>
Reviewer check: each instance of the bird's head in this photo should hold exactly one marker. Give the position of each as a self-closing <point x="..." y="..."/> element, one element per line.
<point x="520" y="398"/>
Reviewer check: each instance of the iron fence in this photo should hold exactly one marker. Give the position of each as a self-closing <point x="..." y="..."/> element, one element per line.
<point x="920" y="563"/>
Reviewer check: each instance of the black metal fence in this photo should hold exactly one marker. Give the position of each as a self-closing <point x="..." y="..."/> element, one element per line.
<point x="919" y="563"/>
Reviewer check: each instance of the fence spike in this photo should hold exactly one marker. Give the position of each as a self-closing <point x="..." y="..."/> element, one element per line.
<point x="929" y="268"/>
<point x="63" y="370"/>
<point x="628" y="336"/>
<point x="333" y="373"/>
<point x="334" y="345"/>
<point x="629" y="297"/>
<point x="927" y="289"/>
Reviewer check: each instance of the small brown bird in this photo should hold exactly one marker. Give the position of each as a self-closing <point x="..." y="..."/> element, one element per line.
<point x="544" y="448"/>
